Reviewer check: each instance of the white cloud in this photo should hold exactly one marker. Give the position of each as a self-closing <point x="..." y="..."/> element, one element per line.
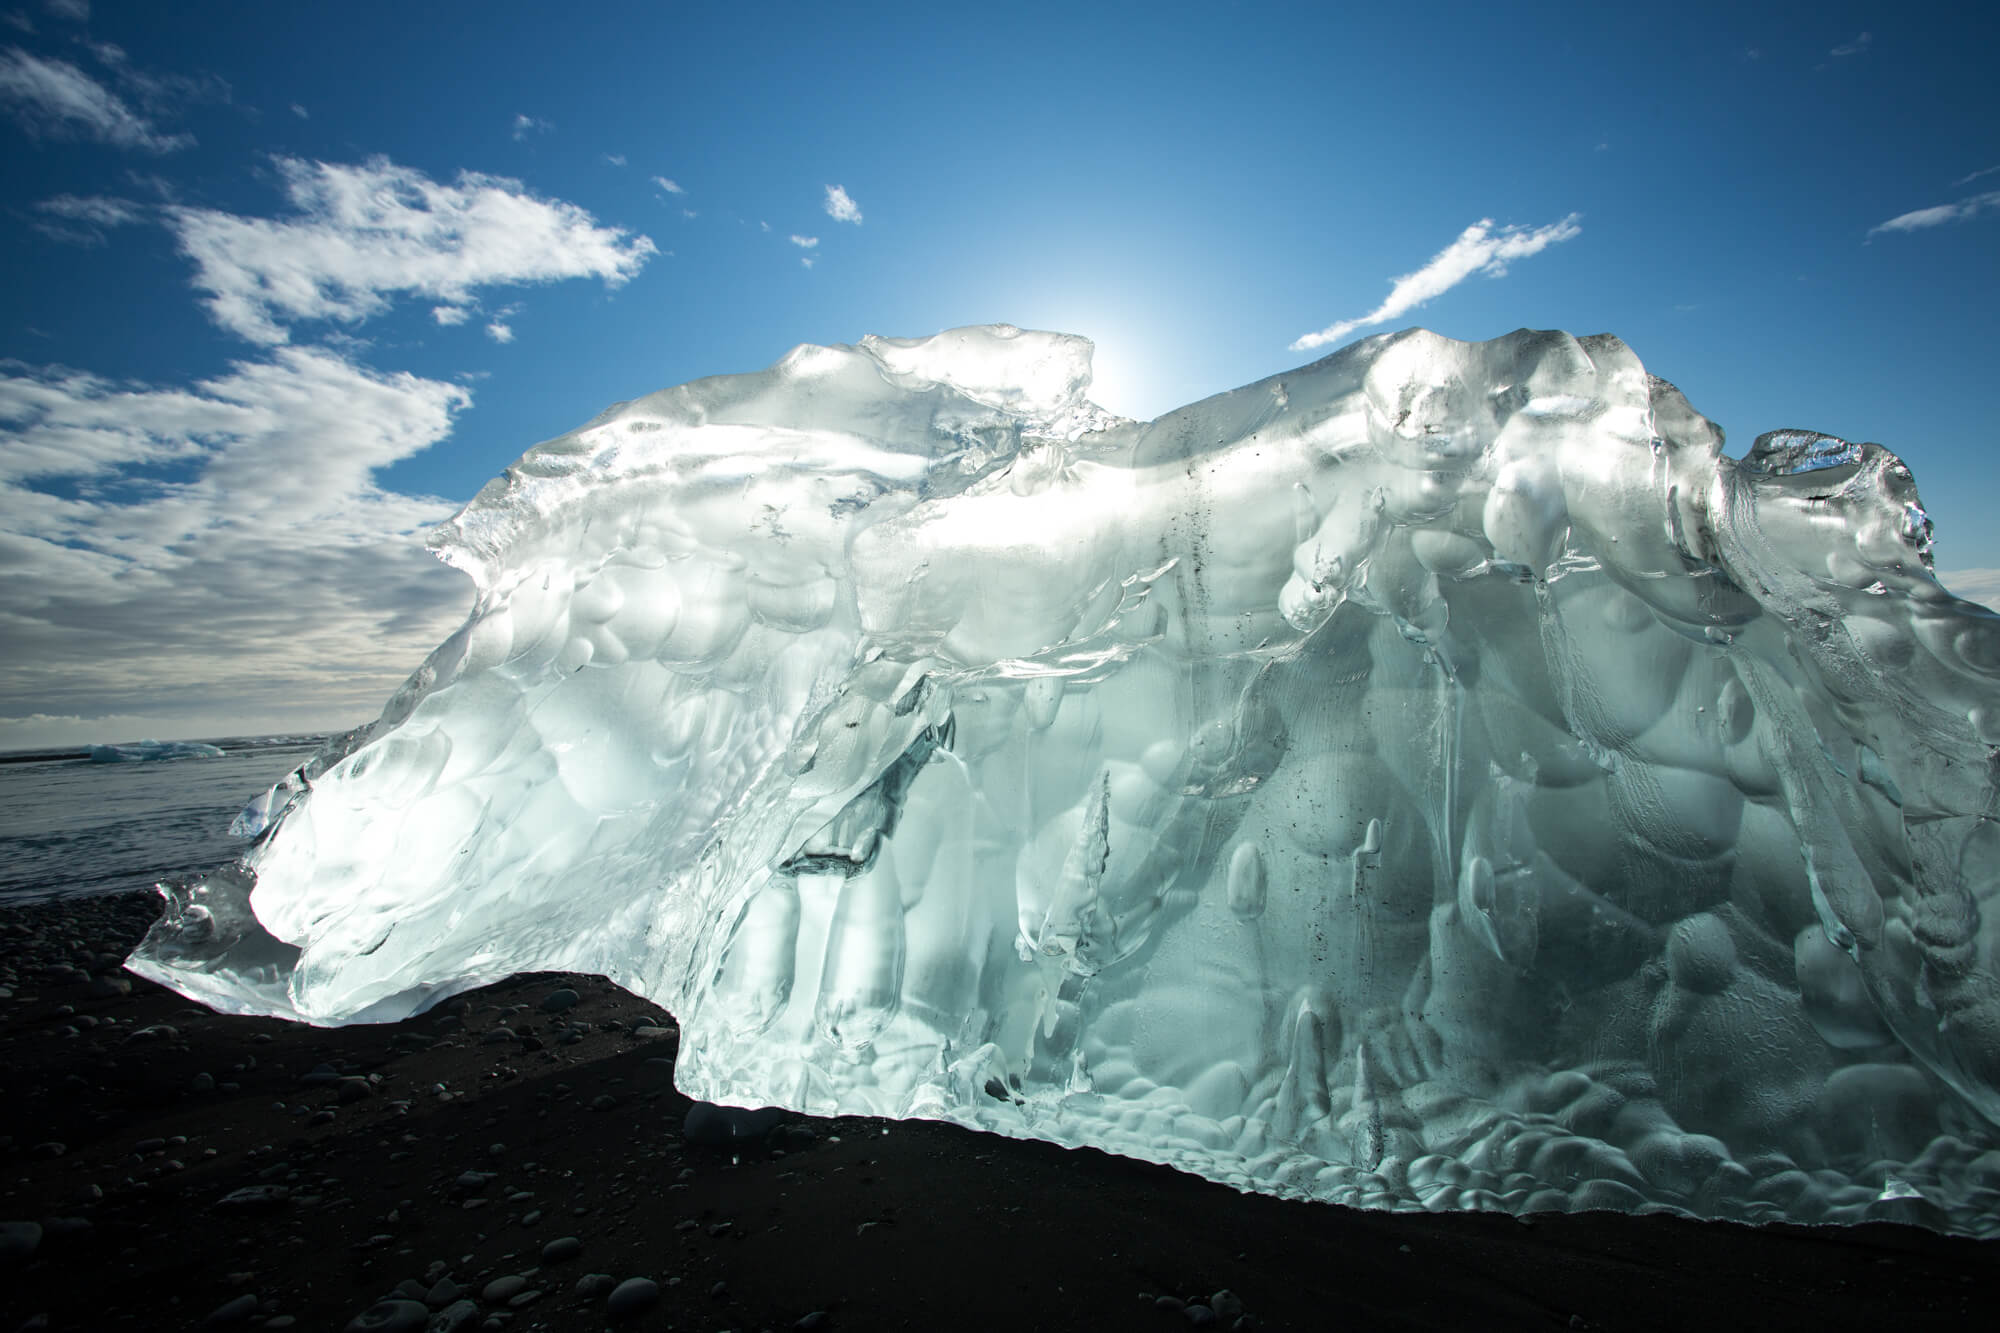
<point x="840" y="207"/>
<point x="806" y="260"/>
<point x="500" y="331"/>
<point x="1967" y="180"/>
<point x="1856" y="47"/>
<point x="526" y="125"/>
<point x="1939" y="214"/>
<point x="671" y="187"/>
<point x="369" y="231"/>
<point x="76" y="11"/>
<point x="159" y="93"/>
<point x="301" y="112"/>
<point x="805" y="242"/>
<point x="53" y="99"/>
<point x="614" y="159"/>
<point x="1974" y="585"/>
<point x="1478" y="249"/>
<point x="84" y="219"/>
<point x="765" y="226"/>
<point x="450" y="315"/>
<point x="221" y="550"/>
<point x="689" y="213"/>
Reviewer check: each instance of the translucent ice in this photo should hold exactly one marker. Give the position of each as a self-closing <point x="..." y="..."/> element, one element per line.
<point x="1436" y="777"/>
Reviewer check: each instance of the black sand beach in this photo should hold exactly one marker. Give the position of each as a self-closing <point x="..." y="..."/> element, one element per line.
<point x="505" y="1162"/>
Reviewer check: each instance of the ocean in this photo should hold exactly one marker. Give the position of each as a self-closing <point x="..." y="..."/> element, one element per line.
<point x="70" y="827"/>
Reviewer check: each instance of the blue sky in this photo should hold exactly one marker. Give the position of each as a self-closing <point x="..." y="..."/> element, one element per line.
<point x="287" y="283"/>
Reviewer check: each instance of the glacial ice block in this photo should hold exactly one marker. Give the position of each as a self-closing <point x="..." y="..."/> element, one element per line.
<point x="1436" y="777"/>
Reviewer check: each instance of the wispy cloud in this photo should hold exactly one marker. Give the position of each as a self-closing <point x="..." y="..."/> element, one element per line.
<point x="501" y="328"/>
<point x="614" y="159"/>
<point x="1939" y="214"/>
<point x="804" y="242"/>
<point x="53" y="99"/>
<point x="806" y="260"/>
<point x="1854" y="48"/>
<point x="1967" y="180"/>
<point x="670" y="186"/>
<point x="84" y="219"/>
<point x="266" y="574"/>
<point x="159" y="94"/>
<point x="841" y="207"/>
<point x="364" y="233"/>
<point x="451" y="315"/>
<point x="76" y="11"/>
<point x="1478" y="249"/>
<point x="301" y="112"/>
<point x="525" y="125"/>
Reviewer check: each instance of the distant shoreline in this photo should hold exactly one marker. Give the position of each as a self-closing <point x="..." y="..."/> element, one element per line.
<point x="227" y="744"/>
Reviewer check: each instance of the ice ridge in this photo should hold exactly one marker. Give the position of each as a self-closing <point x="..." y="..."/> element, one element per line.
<point x="1435" y="777"/>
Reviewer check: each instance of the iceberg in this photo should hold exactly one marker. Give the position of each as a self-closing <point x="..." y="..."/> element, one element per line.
<point x="151" y="752"/>
<point x="1437" y="777"/>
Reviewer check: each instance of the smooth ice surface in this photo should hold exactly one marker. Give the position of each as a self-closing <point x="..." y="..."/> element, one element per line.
<point x="152" y="751"/>
<point x="1436" y="777"/>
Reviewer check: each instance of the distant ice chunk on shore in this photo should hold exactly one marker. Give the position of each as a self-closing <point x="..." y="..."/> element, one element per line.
<point x="137" y="752"/>
<point x="1433" y="778"/>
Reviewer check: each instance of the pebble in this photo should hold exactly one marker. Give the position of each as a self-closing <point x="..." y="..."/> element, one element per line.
<point x="1226" y="1304"/>
<point x="633" y="1296"/>
<point x="604" y="1103"/>
<point x="232" y="1311"/>
<point x="18" y="1241"/>
<point x="454" y="1317"/>
<point x="533" y="1216"/>
<point x="809" y="1323"/>
<point x="561" y="1250"/>
<point x="255" y="1196"/>
<point x="444" y="1293"/>
<point x="203" y="1082"/>
<point x="66" y="1228"/>
<point x="503" y="1289"/>
<point x="396" y="1316"/>
<point x="497" y="1036"/>
<point x="592" y="1285"/>
<point x="560" y="1000"/>
<point x="1199" y="1315"/>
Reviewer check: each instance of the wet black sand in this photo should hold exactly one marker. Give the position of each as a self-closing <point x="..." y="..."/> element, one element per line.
<point x="164" y="1167"/>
